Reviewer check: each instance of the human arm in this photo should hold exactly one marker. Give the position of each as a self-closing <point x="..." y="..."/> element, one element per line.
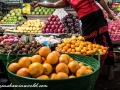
<point x="105" y="6"/>
<point x="58" y="4"/>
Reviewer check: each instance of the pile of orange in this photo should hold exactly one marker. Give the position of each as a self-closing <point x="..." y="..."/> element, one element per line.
<point x="49" y="65"/>
<point x="77" y="45"/>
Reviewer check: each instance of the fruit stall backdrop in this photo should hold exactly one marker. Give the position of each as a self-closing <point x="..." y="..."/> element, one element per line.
<point x="49" y="42"/>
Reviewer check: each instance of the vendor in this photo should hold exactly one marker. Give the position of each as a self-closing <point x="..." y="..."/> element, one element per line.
<point x="94" y="25"/>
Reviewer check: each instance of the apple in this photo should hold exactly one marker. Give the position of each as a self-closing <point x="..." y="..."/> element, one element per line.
<point x="47" y="23"/>
<point x="43" y="30"/>
<point x="56" y="26"/>
<point x="63" y="30"/>
<point x="59" y="30"/>
<point x="52" y="16"/>
<point x="51" y="30"/>
<point x="57" y="19"/>
<point x="55" y="23"/>
<point x="52" y="26"/>
<point x="5" y="36"/>
<point x="47" y="30"/>
<point x="48" y="26"/>
<point x="55" y="30"/>
<point x="49" y="19"/>
<point x="51" y="23"/>
<point x="53" y="19"/>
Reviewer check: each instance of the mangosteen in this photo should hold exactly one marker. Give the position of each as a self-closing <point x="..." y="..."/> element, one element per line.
<point x="9" y="51"/>
<point x="24" y="53"/>
<point x="15" y="50"/>
<point x="27" y="46"/>
<point x="19" y="52"/>
<point x="24" y="50"/>
<point x="3" y="51"/>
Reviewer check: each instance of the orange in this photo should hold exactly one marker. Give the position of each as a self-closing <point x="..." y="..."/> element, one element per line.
<point x="65" y="47"/>
<point x="89" y="71"/>
<point x="73" y="66"/>
<point x="65" y="55"/>
<point x="36" y="69"/>
<point x="81" y="64"/>
<point x="62" y="67"/>
<point x="84" y="67"/>
<point x="24" y="62"/>
<point x="73" y="50"/>
<point x="43" y="77"/>
<point x="73" y="42"/>
<point x="63" y="50"/>
<point x="44" y="51"/>
<point x="104" y="51"/>
<point x="63" y="59"/>
<point x="78" y="49"/>
<point x="76" y="44"/>
<point x="43" y="59"/>
<point x="94" y="45"/>
<point x="47" y="69"/>
<point x="30" y="58"/>
<point x="36" y="58"/>
<point x="60" y="46"/>
<point x="13" y="67"/>
<point x="72" y="46"/>
<point x="69" y="50"/>
<point x="97" y="46"/>
<point x="77" y="53"/>
<point x="71" y="59"/>
<point x="52" y="58"/>
<point x="68" y="45"/>
<point x="61" y="75"/>
<point x="81" y="72"/>
<point x="89" y="67"/>
<point x="57" y="53"/>
<point x="53" y="76"/>
<point x="81" y="46"/>
<point x="23" y="72"/>
<point x="71" y="76"/>
<point x="83" y="51"/>
<point x="89" y="53"/>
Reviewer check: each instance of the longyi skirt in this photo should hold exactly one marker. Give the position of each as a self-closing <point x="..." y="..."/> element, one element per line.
<point x="95" y="30"/>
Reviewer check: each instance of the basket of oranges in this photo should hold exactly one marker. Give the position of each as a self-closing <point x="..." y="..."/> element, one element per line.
<point x="50" y="70"/>
<point x="80" y="46"/>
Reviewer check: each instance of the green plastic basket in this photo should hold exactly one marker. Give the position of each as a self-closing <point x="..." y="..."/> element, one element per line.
<point x="86" y="82"/>
<point x="12" y="56"/>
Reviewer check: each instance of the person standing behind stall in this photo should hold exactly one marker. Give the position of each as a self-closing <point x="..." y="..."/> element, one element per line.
<point x="94" y="25"/>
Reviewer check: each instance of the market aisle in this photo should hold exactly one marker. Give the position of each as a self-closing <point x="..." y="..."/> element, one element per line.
<point x="103" y="84"/>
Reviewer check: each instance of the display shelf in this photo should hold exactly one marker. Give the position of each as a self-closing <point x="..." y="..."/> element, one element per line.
<point x="10" y="26"/>
<point x="44" y="34"/>
<point x="34" y="17"/>
<point x="116" y="42"/>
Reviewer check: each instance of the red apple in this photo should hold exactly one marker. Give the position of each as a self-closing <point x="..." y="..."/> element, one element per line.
<point x="59" y="30"/>
<point x="43" y="30"/>
<point x="5" y="36"/>
<point x="53" y="19"/>
<point x="51" y="30"/>
<point x="52" y="27"/>
<point x="63" y="30"/>
<point x="47" y="30"/>
<point x="51" y="23"/>
<point x="55" y="30"/>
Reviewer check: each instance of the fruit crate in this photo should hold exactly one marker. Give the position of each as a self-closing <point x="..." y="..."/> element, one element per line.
<point x="10" y="26"/>
<point x="85" y="82"/>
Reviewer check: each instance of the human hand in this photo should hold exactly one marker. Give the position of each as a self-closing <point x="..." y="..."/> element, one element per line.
<point x="111" y="17"/>
<point x="34" y="3"/>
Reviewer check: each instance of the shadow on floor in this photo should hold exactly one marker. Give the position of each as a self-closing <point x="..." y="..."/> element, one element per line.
<point x="104" y="84"/>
